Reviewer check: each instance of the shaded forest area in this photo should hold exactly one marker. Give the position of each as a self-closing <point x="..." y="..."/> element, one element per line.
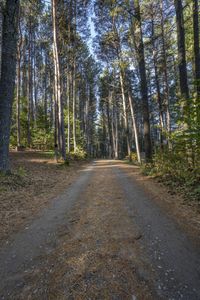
<point x="103" y="79"/>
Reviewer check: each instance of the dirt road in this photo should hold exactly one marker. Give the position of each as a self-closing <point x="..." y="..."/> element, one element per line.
<point x="104" y="238"/>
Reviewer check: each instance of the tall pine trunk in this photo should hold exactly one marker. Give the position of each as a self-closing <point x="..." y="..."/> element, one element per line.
<point x="57" y="80"/>
<point x="166" y="81"/>
<point x="157" y="83"/>
<point x="196" y="54"/>
<point x="7" y="81"/>
<point x="1" y="22"/>
<point x="121" y="75"/>
<point x="18" y="104"/>
<point x="143" y="80"/>
<point x="29" y="86"/>
<point x="74" y="104"/>
<point x="68" y="112"/>
<point x="135" y="130"/>
<point x="184" y="90"/>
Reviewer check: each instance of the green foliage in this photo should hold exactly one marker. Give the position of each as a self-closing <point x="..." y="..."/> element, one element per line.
<point x="21" y="172"/>
<point x="177" y="170"/>
<point x="42" y="139"/>
<point x="179" y="166"/>
<point x="80" y="154"/>
<point x="133" y="157"/>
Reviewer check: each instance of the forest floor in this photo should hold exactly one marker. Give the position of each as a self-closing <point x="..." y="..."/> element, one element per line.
<point x="36" y="179"/>
<point x="111" y="234"/>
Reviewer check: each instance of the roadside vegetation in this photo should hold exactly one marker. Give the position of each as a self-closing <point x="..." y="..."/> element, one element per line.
<point x="178" y="170"/>
<point x="93" y="79"/>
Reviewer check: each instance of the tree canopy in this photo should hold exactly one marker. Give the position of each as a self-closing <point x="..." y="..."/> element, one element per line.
<point x="110" y="79"/>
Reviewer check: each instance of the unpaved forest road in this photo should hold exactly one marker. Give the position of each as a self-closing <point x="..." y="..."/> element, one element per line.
<point x="104" y="238"/>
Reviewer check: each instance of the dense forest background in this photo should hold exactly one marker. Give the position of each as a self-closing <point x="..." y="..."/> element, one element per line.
<point x="109" y="79"/>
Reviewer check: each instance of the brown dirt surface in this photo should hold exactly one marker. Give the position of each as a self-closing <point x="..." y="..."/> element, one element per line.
<point x="36" y="179"/>
<point x="103" y="249"/>
<point x="186" y="213"/>
<point x="98" y="257"/>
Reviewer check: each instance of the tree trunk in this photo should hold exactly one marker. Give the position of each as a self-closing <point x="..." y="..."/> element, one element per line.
<point x="116" y="137"/>
<point x="68" y="112"/>
<point x="35" y="83"/>
<point x="7" y="81"/>
<point x="143" y="80"/>
<point x="18" y="88"/>
<point x="45" y="94"/>
<point x="196" y="54"/>
<point x="109" y="122"/>
<point x="168" y="117"/>
<point x="24" y="69"/>
<point x="113" y="134"/>
<point x="184" y="90"/>
<point x="29" y="87"/>
<point x="74" y="105"/>
<point x="57" y="80"/>
<point x="160" y="105"/>
<point x="125" y="112"/>
<point x="1" y="22"/>
<point x="134" y="128"/>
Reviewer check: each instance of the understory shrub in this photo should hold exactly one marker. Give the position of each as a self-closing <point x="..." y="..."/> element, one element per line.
<point x="176" y="169"/>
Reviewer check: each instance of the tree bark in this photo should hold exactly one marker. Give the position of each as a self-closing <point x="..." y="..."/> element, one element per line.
<point x="166" y="93"/>
<point x="74" y="104"/>
<point x="143" y="80"/>
<point x="57" y="80"/>
<point x="18" y="88"/>
<point x="196" y="54"/>
<point x="1" y="22"/>
<point x="134" y="128"/>
<point x="184" y="90"/>
<point x="29" y="86"/>
<point x="125" y="111"/>
<point x="45" y="94"/>
<point x="160" y="104"/>
<point x="68" y="113"/>
<point x="7" y="81"/>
